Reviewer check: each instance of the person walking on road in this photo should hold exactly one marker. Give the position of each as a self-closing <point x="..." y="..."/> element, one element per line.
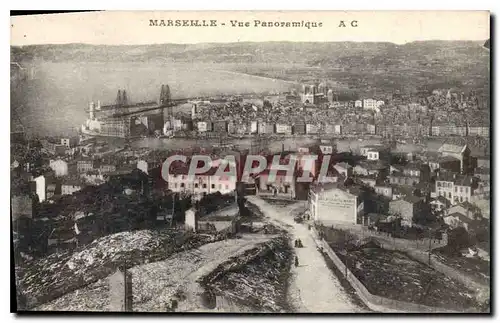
<point x="296" y="261"/>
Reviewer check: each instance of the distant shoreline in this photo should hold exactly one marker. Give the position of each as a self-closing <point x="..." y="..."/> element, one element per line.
<point x="258" y="76"/>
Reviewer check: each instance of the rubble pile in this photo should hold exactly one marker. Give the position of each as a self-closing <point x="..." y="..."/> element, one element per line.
<point x="269" y="228"/>
<point x="256" y="279"/>
<point x="60" y="273"/>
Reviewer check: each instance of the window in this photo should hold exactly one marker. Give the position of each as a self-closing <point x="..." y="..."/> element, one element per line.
<point x="461" y="199"/>
<point x="467" y="190"/>
<point x="213" y="186"/>
<point x="175" y="185"/>
<point x="461" y="189"/>
<point x="204" y="185"/>
<point x="438" y="184"/>
<point x="182" y="185"/>
<point x="220" y="186"/>
<point x="449" y="195"/>
<point x="455" y="189"/>
<point x="227" y="187"/>
<point x="196" y="185"/>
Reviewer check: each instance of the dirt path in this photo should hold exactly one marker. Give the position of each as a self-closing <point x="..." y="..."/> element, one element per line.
<point x="313" y="288"/>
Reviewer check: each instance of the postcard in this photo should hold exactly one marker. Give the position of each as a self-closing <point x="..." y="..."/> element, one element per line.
<point x="251" y="161"/>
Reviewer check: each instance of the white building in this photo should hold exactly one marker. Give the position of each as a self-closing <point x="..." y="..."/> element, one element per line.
<point x="202" y="126"/>
<point x="456" y="189"/>
<point x="40" y="188"/>
<point x="261" y="127"/>
<point x="69" y="187"/>
<point x="107" y="168"/>
<point x="283" y="128"/>
<point x="384" y="190"/>
<point x="59" y="166"/>
<point x="326" y="149"/>
<point x="84" y="165"/>
<point x="369" y="104"/>
<point x="254" y="127"/>
<point x="456" y="220"/>
<point x="223" y="184"/>
<point x="207" y="183"/>
<point x="190" y="221"/>
<point x="370" y="128"/>
<point x="330" y="205"/>
<point x="344" y="169"/>
<point x="147" y="166"/>
<point x="373" y="155"/>
<point x="358" y="104"/>
<point x="311" y="128"/>
<point x="375" y="152"/>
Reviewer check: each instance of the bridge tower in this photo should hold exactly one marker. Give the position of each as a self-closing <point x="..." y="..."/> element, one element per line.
<point x="118" y="102"/>
<point x="124" y="102"/>
<point x="166" y="100"/>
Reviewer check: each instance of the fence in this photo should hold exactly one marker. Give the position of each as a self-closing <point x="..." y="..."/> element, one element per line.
<point x="403" y="244"/>
<point x="374" y="302"/>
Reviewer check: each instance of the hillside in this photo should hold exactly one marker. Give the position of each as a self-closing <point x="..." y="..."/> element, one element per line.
<point x="267" y="52"/>
<point x="363" y="67"/>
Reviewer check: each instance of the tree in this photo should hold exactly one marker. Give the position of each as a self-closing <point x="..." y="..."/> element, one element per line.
<point x="457" y="239"/>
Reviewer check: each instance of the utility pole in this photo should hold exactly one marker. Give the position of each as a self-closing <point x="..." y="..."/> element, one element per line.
<point x="430" y="240"/>
<point x="173" y="210"/>
<point x="345" y="247"/>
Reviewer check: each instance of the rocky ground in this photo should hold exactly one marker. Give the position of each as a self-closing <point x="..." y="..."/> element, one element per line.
<point x="258" y="279"/>
<point x="155" y="284"/>
<point x="45" y="279"/>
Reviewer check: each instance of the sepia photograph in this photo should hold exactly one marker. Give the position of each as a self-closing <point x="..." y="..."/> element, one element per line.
<point x="251" y="162"/>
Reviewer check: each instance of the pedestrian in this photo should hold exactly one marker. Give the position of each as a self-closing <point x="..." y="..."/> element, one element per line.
<point x="296" y="261"/>
<point x="295" y="242"/>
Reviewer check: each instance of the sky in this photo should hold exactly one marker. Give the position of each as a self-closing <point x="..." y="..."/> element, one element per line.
<point x="133" y="27"/>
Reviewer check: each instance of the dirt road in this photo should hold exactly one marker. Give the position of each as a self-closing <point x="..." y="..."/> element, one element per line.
<point x="314" y="288"/>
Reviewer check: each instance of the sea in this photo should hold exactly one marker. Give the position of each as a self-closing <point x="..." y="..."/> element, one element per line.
<point x="52" y="99"/>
